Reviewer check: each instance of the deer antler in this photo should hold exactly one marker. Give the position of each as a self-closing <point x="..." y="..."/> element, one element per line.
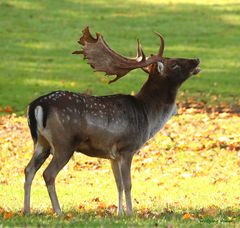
<point x="102" y="58"/>
<point x="161" y="49"/>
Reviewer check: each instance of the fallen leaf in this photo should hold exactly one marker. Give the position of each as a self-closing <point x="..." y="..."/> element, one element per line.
<point x="50" y="211"/>
<point x="210" y="211"/>
<point x="188" y="216"/>
<point x="1" y="210"/>
<point x="101" y="205"/>
<point x="68" y="216"/>
<point x="81" y="207"/>
<point x="95" y="199"/>
<point x="8" y="215"/>
<point x="8" y="109"/>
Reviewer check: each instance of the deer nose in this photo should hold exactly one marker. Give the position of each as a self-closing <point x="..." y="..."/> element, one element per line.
<point x="197" y="61"/>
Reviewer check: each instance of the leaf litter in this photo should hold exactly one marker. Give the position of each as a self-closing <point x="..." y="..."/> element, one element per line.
<point x="194" y="144"/>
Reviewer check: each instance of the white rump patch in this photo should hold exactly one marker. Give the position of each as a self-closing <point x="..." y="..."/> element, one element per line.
<point x="39" y="117"/>
<point x="160" y="67"/>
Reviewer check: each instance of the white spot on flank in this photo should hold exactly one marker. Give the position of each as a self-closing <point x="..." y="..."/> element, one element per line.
<point x="68" y="117"/>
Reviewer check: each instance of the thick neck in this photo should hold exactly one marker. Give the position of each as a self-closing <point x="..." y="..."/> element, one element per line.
<point x="157" y="92"/>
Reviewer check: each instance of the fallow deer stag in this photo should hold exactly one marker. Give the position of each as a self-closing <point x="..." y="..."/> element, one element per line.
<point x="113" y="127"/>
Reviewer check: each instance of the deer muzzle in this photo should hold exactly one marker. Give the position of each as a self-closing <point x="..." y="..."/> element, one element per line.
<point x="196" y="68"/>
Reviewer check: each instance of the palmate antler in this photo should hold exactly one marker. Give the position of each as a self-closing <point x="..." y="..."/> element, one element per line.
<point x="102" y="58"/>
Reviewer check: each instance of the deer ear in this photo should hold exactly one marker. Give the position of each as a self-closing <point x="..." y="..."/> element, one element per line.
<point x="160" y="67"/>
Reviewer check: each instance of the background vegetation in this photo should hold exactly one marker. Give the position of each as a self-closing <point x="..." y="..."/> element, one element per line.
<point x="37" y="38"/>
<point x="188" y="174"/>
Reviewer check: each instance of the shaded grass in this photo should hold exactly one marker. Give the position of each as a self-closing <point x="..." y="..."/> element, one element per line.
<point x="37" y="39"/>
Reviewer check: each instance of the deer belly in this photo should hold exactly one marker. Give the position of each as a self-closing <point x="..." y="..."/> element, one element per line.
<point x="98" y="149"/>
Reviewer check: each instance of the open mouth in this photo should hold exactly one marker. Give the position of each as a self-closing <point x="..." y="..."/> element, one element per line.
<point x="196" y="70"/>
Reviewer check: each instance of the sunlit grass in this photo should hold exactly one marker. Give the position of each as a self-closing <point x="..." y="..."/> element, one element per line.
<point x="25" y="5"/>
<point x="192" y="166"/>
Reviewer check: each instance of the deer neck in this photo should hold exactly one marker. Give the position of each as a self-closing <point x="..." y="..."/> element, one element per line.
<point x="158" y="99"/>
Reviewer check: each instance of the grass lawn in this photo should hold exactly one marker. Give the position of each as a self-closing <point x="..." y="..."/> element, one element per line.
<point x="37" y="38"/>
<point x="188" y="175"/>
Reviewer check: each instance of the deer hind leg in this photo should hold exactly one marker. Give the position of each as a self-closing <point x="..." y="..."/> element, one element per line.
<point x="59" y="160"/>
<point x="41" y="153"/>
<point x="125" y="168"/>
<point x="118" y="179"/>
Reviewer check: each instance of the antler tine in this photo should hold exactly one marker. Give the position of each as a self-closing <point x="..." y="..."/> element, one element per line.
<point x="86" y="37"/>
<point x="161" y="49"/>
<point x="140" y="54"/>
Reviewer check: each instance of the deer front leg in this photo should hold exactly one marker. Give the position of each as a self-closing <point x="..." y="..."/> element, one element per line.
<point x="38" y="158"/>
<point x="125" y="167"/>
<point x="118" y="180"/>
<point x="58" y="161"/>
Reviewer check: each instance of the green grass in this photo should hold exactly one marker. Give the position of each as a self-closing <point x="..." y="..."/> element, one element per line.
<point x="37" y="38"/>
<point x="170" y="177"/>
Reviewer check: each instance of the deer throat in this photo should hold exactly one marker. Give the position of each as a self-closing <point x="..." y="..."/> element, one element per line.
<point x="160" y="118"/>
